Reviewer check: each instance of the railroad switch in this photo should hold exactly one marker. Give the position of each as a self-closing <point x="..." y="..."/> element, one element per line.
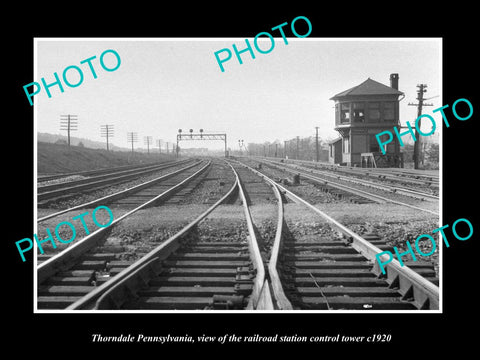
<point x="228" y="302"/>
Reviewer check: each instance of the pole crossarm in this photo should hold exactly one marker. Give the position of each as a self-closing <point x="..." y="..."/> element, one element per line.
<point x="69" y="123"/>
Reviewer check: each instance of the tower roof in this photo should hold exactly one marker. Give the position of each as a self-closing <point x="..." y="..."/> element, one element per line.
<point x="368" y="87"/>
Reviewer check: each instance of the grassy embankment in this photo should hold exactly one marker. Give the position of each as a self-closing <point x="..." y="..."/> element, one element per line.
<point x="57" y="158"/>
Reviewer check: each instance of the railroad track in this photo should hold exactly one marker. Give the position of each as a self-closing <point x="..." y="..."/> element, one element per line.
<point x="329" y="267"/>
<point x="203" y="266"/>
<point x="394" y="175"/>
<point x="135" y="195"/>
<point x="82" y="267"/>
<point x="48" y="177"/>
<point x="340" y="190"/>
<point x="65" y="190"/>
<point x="399" y="175"/>
<point x="406" y="191"/>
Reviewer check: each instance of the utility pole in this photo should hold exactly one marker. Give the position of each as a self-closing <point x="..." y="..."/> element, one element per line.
<point x="285" y="149"/>
<point x="132" y="137"/>
<point x="106" y="131"/>
<point x="159" y="144"/>
<point x="147" y="140"/>
<point x="422" y="88"/>
<point x="298" y="143"/>
<point x="69" y="123"/>
<point x="316" y="143"/>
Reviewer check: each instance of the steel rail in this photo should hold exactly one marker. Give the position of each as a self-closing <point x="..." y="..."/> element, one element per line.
<point x="94" y="179"/>
<point x="109" y="179"/>
<point x="405" y="177"/>
<point x="119" y="194"/>
<point x="42" y="178"/>
<point x="410" y="284"/>
<point x="280" y="300"/>
<point x="261" y="289"/>
<point x="384" y="187"/>
<point x="63" y="260"/>
<point x="375" y="197"/>
<point x="395" y="174"/>
<point x="114" y="291"/>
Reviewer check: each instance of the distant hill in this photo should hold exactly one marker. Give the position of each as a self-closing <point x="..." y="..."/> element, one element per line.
<point x="54" y="138"/>
<point x="58" y="158"/>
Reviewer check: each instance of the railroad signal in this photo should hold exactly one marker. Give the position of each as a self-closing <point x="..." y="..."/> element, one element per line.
<point x="106" y="131"/>
<point x="200" y="136"/>
<point x="69" y="123"/>
<point x="132" y="137"/>
<point x="240" y="143"/>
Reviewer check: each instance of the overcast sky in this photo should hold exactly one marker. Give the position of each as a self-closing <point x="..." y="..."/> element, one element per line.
<point x="166" y="84"/>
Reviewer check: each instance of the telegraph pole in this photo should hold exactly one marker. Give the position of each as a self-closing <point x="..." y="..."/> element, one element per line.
<point x="147" y="140"/>
<point x="69" y="123"/>
<point x="298" y="144"/>
<point x="132" y="137"/>
<point x="106" y="131"/>
<point x="422" y="88"/>
<point x="316" y="143"/>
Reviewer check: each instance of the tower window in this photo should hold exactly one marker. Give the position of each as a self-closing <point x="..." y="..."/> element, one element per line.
<point x="358" y="112"/>
<point x="344" y="113"/>
<point x="374" y="111"/>
<point x="389" y="111"/>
